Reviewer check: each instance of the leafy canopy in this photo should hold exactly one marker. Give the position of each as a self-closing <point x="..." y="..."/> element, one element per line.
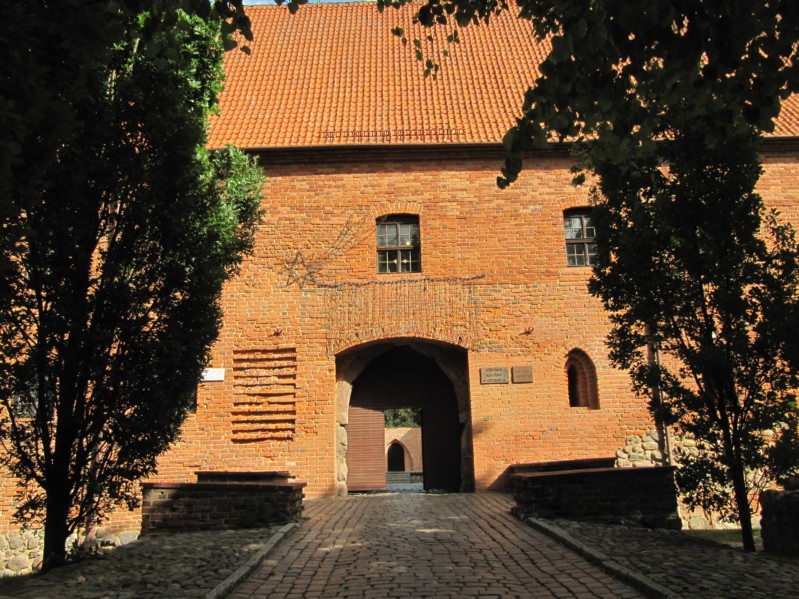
<point x="51" y="50"/>
<point x="666" y="102"/>
<point x="403" y="417"/>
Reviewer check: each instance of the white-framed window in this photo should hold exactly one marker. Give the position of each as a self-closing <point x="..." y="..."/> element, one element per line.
<point x="399" y="245"/>
<point x="580" y="237"/>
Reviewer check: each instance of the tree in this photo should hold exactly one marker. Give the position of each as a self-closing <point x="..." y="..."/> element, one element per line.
<point x="47" y="49"/>
<point x="403" y="417"/>
<point x="689" y="262"/>
<point x="692" y="86"/>
<point x="114" y="262"/>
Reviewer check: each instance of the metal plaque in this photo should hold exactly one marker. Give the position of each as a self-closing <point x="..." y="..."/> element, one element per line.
<point x="522" y="374"/>
<point x="494" y="376"/>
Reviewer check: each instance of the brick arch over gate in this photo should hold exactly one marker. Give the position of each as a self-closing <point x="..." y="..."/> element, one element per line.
<point x="451" y="364"/>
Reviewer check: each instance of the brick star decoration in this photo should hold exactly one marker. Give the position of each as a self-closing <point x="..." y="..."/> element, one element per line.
<point x="300" y="271"/>
<point x="304" y="270"/>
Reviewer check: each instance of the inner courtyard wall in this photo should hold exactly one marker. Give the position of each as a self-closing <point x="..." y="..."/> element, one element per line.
<point x="410" y="439"/>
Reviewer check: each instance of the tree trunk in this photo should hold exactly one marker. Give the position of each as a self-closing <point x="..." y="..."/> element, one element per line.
<point x="664" y="443"/>
<point x="58" y="504"/>
<point x="56" y="527"/>
<point x="742" y="501"/>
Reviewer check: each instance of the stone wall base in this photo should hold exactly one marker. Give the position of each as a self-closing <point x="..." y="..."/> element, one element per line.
<point x="182" y="507"/>
<point x="645" y="496"/>
<point x="780" y="521"/>
<point x="21" y="550"/>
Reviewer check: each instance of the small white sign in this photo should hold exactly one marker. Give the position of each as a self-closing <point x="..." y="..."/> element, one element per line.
<point x="213" y="374"/>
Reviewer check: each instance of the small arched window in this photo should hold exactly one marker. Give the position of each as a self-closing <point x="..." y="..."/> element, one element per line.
<point x="574" y="386"/>
<point x="581" y="380"/>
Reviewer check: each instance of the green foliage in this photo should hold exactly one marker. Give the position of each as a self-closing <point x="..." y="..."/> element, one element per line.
<point x="113" y="270"/>
<point x="690" y="262"/>
<point x="50" y="50"/>
<point x="614" y="66"/>
<point x="403" y="417"/>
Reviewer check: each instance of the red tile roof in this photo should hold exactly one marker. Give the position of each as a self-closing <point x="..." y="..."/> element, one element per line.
<point x="788" y="121"/>
<point x="333" y="74"/>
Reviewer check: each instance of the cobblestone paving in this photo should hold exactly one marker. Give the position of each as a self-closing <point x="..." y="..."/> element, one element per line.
<point x="164" y="566"/>
<point x="416" y="545"/>
<point x="687" y="566"/>
<point x="423" y="545"/>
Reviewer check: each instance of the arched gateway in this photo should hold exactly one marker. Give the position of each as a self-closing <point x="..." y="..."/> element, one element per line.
<point x="395" y="457"/>
<point x="404" y="373"/>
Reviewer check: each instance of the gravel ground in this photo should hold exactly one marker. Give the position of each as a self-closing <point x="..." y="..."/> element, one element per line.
<point x="174" y="566"/>
<point x="688" y="566"/>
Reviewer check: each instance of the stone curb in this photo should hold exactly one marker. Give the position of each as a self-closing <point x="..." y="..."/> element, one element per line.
<point x="224" y="588"/>
<point x="615" y="569"/>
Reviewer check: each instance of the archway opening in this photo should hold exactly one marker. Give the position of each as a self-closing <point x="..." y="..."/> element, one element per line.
<point x="428" y="377"/>
<point x="396" y="458"/>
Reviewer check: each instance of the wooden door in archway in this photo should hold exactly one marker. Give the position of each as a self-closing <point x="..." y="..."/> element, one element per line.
<point x="365" y="447"/>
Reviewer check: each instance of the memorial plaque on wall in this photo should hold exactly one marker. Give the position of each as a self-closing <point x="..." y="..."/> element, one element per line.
<point x="522" y="374"/>
<point x="494" y="376"/>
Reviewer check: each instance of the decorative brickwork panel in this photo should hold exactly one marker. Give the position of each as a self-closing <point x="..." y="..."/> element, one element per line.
<point x="265" y="394"/>
<point x="441" y="308"/>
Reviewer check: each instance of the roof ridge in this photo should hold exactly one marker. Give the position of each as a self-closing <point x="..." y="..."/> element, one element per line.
<point x="302" y="7"/>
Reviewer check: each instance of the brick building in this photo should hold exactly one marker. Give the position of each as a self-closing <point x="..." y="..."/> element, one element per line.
<point x="390" y="271"/>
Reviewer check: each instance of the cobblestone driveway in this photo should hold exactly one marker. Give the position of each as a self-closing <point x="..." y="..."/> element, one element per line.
<point x="423" y="545"/>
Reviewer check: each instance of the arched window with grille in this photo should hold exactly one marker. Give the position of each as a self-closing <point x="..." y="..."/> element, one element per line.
<point x="581" y="380"/>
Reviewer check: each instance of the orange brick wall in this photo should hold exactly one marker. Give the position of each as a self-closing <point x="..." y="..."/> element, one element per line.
<point x="531" y="310"/>
<point x="468" y="227"/>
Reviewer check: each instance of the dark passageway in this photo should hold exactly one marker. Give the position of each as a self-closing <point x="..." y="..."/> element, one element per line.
<point x="403" y="378"/>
